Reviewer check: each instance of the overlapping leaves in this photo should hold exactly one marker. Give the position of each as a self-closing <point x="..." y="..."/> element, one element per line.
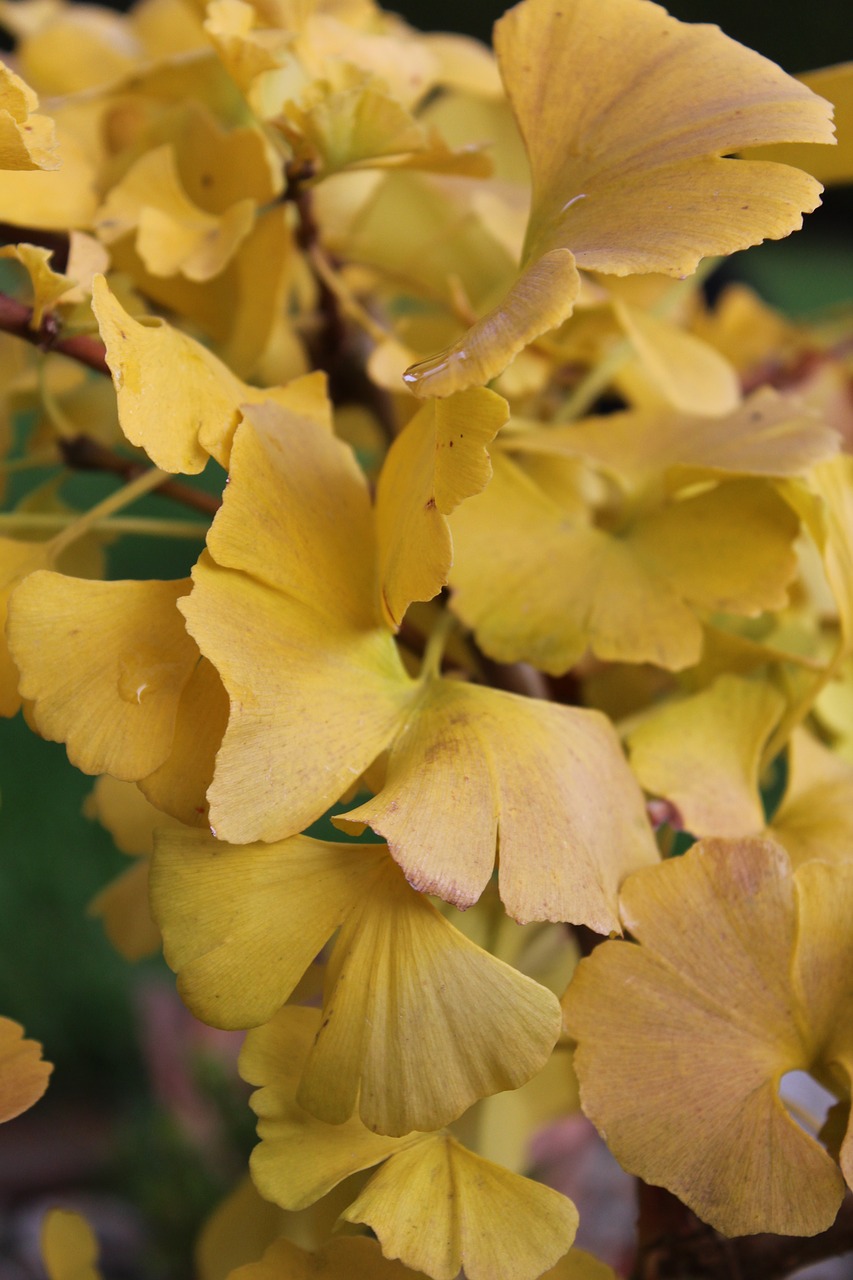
<point x="286" y="606"/>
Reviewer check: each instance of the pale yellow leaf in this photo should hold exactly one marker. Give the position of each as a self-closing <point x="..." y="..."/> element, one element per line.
<point x="703" y="754"/>
<point x="437" y="461"/>
<point x="105" y="664"/>
<point x="683" y="1039"/>
<point x="442" y="1209"/>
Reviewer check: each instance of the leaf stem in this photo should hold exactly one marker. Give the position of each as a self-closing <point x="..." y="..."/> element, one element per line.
<point x="141" y="525"/>
<point x="123" y="497"/>
<point x="435" y="646"/>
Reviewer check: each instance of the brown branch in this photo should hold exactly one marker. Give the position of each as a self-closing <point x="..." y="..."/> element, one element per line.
<point x="16" y="319"/>
<point x="84" y="454"/>
<point x="675" y="1245"/>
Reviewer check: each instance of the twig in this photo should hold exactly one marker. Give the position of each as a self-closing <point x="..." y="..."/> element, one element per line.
<point x="675" y="1245"/>
<point x="84" y="454"/>
<point x="16" y="318"/>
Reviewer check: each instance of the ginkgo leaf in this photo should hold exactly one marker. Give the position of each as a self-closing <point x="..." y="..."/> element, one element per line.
<point x="540" y="299"/>
<point x="451" y="797"/>
<point x="105" y="664"/>
<point x="173" y="234"/>
<point x="241" y="925"/>
<point x="768" y="435"/>
<point x="580" y="1265"/>
<point x="682" y="1041"/>
<point x="538" y="584"/>
<point x="59" y="198"/>
<point x="48" y="285"/>
<point x="231" y="927"/>
<point x="23" y="1073"/>
<point x="483" y="1220"/>
<point x="17" y="559"/>
<point x="239" y="1230"/>
<point x="437" y="461"/>
<point x="686" y="372"/>
<point x="815" y="817"/>
<point x="27" y="140"/>
<point x="179" y="785"/>
<point x="69" y="1246"/>
<point x="703" y="754"/>
<point x="175" y="398"/>
<point x="627" y="162"/>
<point x="400" y="967"/>
<point x="835" y="85"/>
<point x="299" y="1158"/>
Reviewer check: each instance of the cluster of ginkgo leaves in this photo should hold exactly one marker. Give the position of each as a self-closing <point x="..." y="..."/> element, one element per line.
<point x="532" y="634"/>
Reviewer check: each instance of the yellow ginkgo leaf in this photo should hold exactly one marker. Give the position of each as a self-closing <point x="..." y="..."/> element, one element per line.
<point x="173" y="234"/>
<point x="684" y="371"/>
<point x="23" y="1073"/>
<point x="580" y="1265"/>
<point x="58" y="199"/>
<point x="176" y="400"/>
<point x="238" y="1231"/>
<point x="626" y="115"/>
<point x="480" y="750"/>
<point x="400" y="966"/>
<point x="179" y="785"/>
<point x="682" y="1040"/>
<point x="241" y="924"/>
<point x="299" y="1158"/>
<point x="17" y="559"/>
<point x="835" y="84"/>
<point x="815" y="818"/>
<point x="768" y="435"/>
<point x="69" y="1247"/>
<point x="482" y="1219"/>
<point x="408" y="1206"/>
<point x="229" y="911"/>
<point x="703" y="754"/>
<point x="539" y="584"/>
<point x="437" y="461"/>
<point x="105" y="664"/>
<point x="27" y="140"/>
<point x="48" y="285"/>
